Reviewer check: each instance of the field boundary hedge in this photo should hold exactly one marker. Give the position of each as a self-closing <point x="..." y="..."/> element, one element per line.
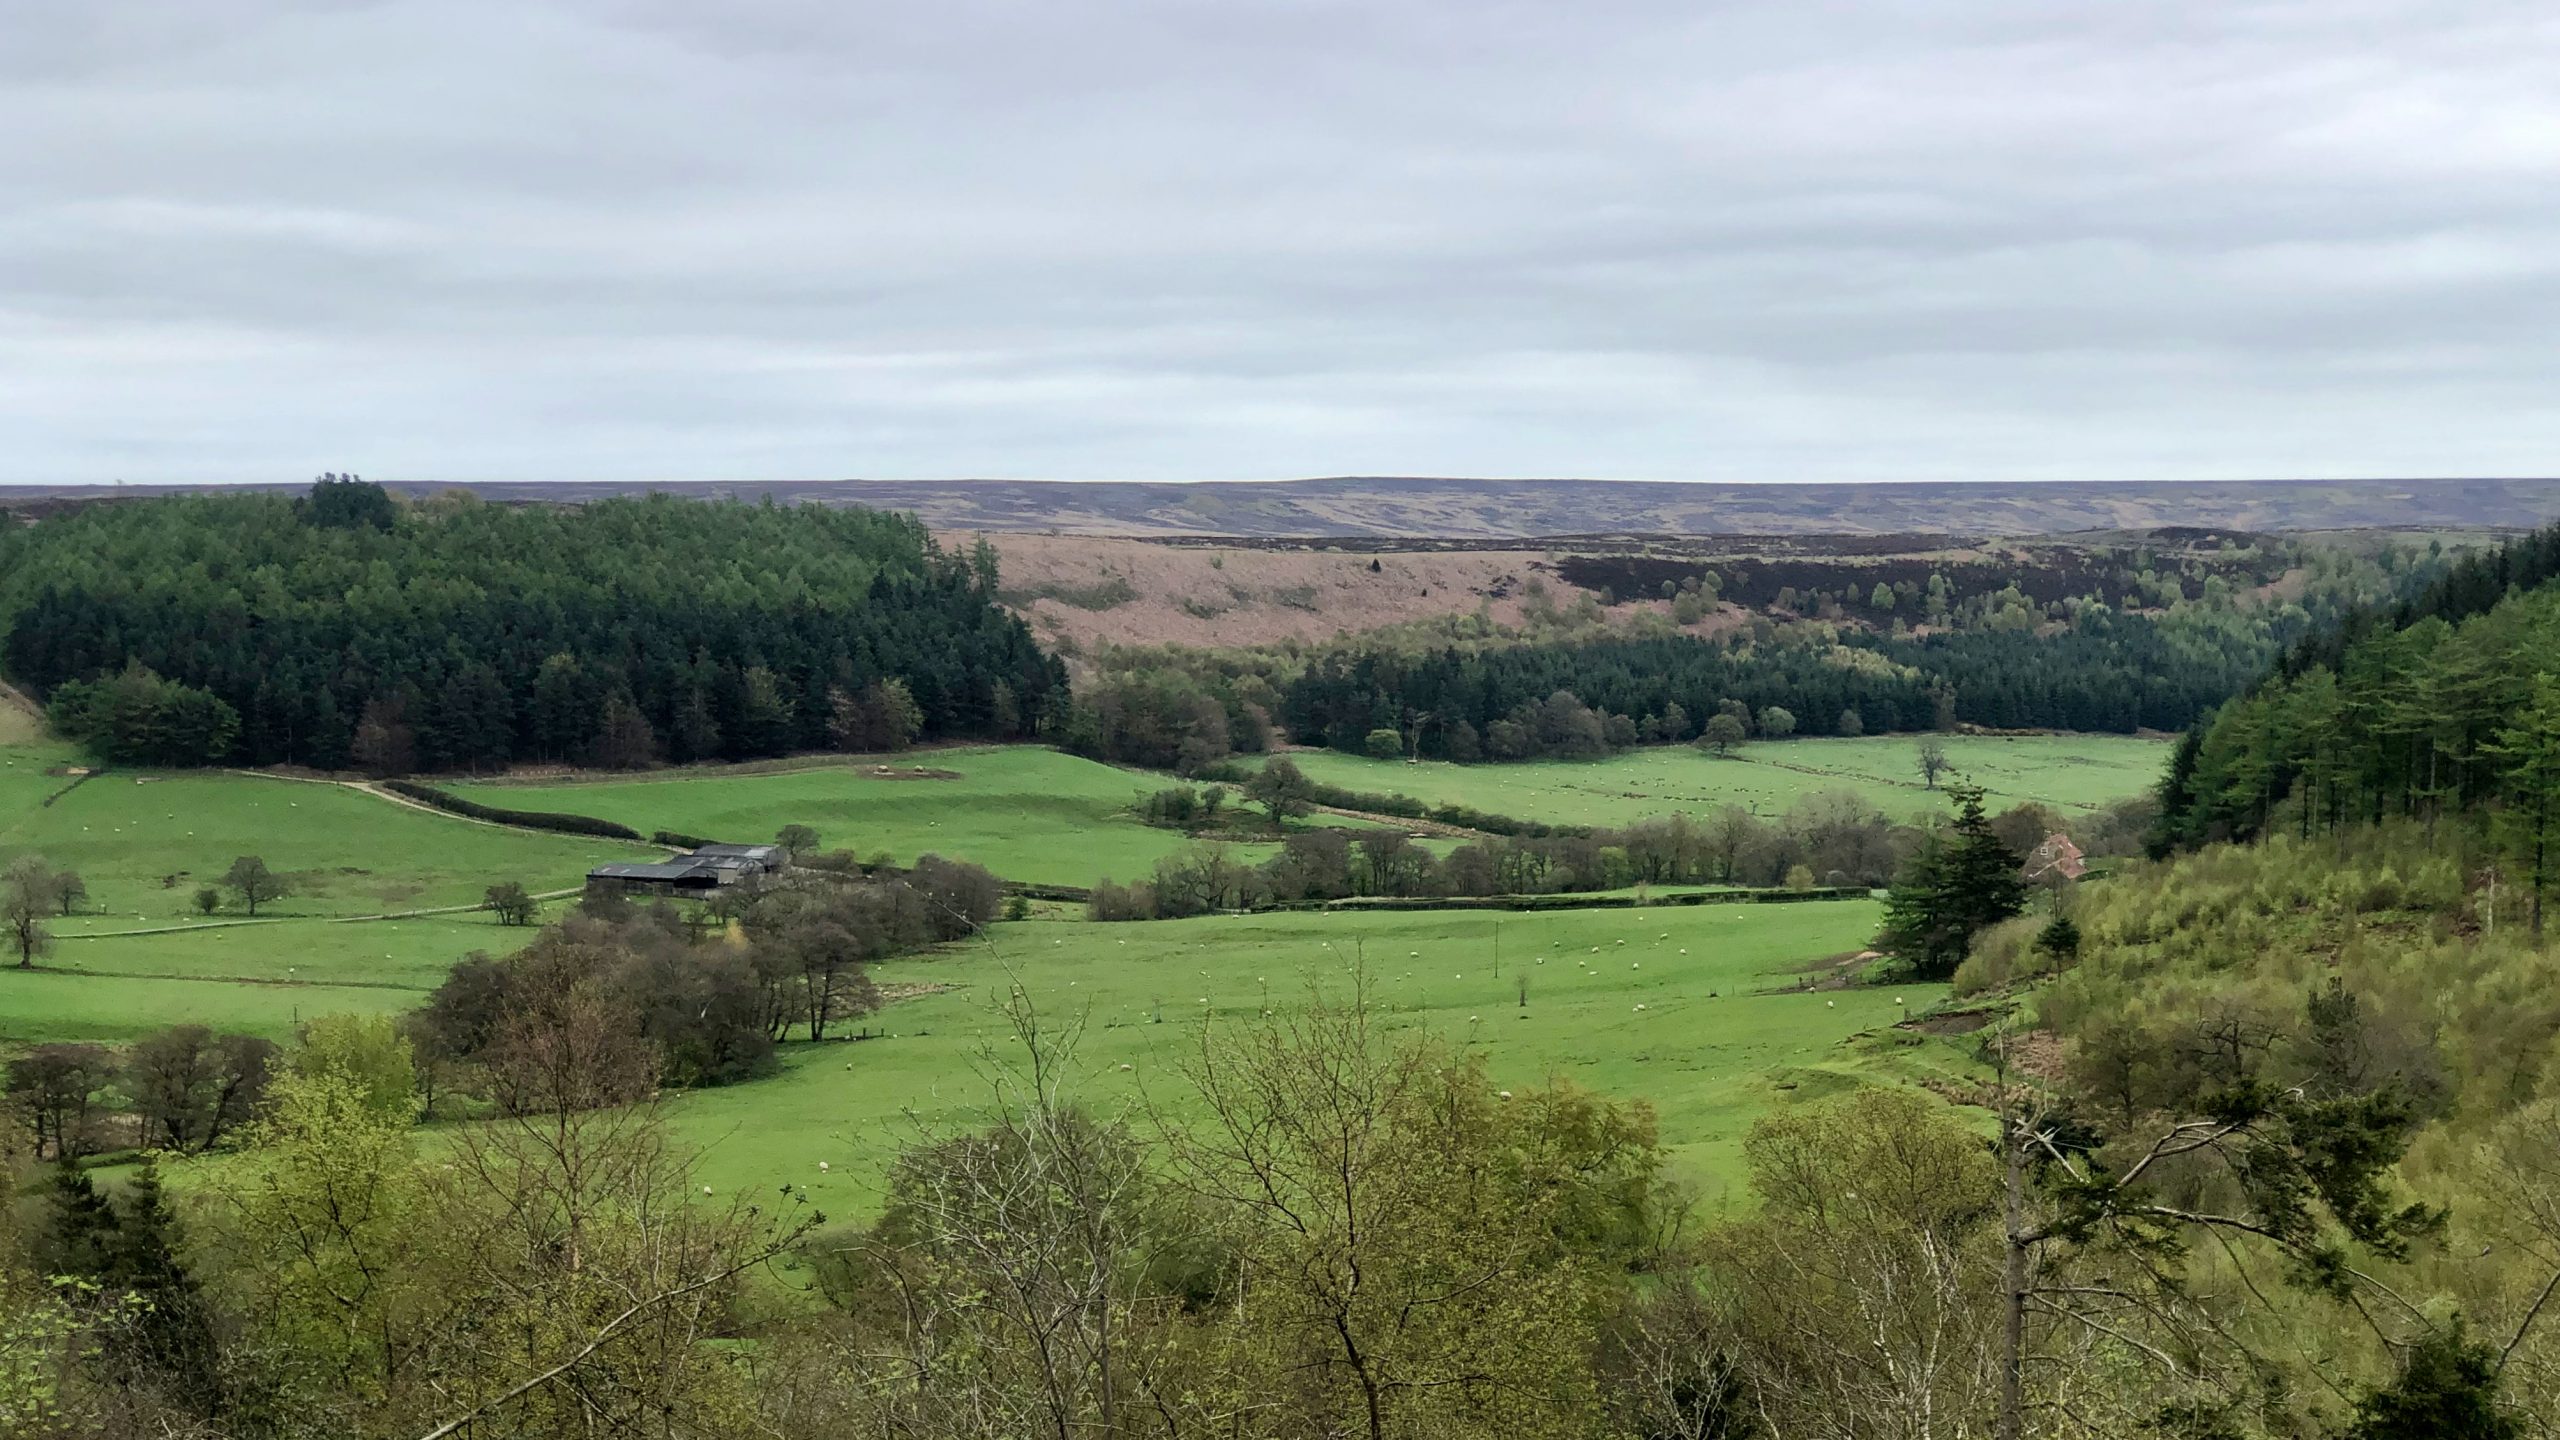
<point x="1577" y="902"/>
<point x="563" y="823"/>
<point x="1405" y="807"/>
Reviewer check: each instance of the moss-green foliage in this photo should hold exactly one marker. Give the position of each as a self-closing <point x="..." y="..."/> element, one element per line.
<point x="2194" y="969"/>
<point x="2347" y="965"/>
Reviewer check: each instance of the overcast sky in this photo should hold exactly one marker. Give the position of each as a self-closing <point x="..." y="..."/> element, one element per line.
<point x="1211" y="239"/>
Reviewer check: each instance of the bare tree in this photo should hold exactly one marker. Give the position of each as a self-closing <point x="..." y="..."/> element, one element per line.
<point x="26" y="898"/>
<point x="1931" y="757"/>
<point x="191" y="1086"/>
<point x="56" y="1091"/>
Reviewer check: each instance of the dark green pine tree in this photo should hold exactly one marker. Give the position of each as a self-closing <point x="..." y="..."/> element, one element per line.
<point x="1982" y="870"/>
<point x="1952" y="886"/>
<point x="80" y="1227"/>
<point x="171" y="1344"/>
<point x="2447" y="1389"/>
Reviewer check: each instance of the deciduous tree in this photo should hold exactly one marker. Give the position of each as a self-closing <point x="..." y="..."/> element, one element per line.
<point x="26" y="898"/>
<point x="255" y="884"/>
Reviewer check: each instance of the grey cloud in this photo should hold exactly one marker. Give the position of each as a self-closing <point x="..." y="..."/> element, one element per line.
<point x="448" y="239"/>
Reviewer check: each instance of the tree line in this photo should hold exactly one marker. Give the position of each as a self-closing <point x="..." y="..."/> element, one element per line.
<point x="1835" y="838"/>
<point x="1596" y="693"/>
<point x="2107" y="672"/>
<point x="345" y="630"/>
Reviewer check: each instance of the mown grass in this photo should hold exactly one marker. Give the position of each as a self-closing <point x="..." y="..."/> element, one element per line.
<point x="2067" y="771"/>
<point x="1024" y="812"/>
<point x="1712" y="1050"/>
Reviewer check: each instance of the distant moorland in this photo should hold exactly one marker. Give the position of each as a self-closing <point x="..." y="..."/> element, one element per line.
<point x="1450" y="507"/>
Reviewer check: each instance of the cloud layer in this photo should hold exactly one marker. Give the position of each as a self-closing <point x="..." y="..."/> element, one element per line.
<point x="1204" y="239"/>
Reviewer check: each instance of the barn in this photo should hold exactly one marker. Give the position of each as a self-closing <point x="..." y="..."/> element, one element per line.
<point x="699" y="871"/>
<point x="681" y="876"/>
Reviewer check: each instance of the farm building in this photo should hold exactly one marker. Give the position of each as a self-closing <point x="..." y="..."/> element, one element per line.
<point x="741" y="859"/>
<point x="699" y="871"/>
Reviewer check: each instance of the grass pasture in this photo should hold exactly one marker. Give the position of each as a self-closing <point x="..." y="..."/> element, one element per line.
<point x="263" y="977"/>
<point x="2065" y="771"/>
<point x="145" y="842"/>
<point x="1024" y="812"/>
<point x="1710" y="1048"/>
<point x="137" y="956"/>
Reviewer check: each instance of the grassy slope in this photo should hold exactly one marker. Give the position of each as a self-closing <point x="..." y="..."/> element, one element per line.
<point x="2070" y="771"/>
<point x="1710" y="1065"/>
<point x="1026" y="813"/>
<point x="349" y="854"/>
<point x="144" y="842"/>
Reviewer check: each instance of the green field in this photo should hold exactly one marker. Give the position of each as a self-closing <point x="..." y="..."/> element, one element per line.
<point x="1026" y="813"/>
<point x="1709" y="1049"/>
<point x="144" y="842"/>
<point x="1765" y="777"/>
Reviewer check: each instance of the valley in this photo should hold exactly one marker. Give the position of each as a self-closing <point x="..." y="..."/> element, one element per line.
<point x="1661" y="912"/>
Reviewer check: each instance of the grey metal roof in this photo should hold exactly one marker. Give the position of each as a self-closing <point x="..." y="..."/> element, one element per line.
<point x="739" y="852"/>
<point x="664" y="870"/>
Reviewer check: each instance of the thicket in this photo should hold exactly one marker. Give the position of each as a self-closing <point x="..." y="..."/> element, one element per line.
<point x="2377" y="965"/>
<point x="348" y="631"/>
<point x="692" y="1005"/>
<point x="2149" y="640"/>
